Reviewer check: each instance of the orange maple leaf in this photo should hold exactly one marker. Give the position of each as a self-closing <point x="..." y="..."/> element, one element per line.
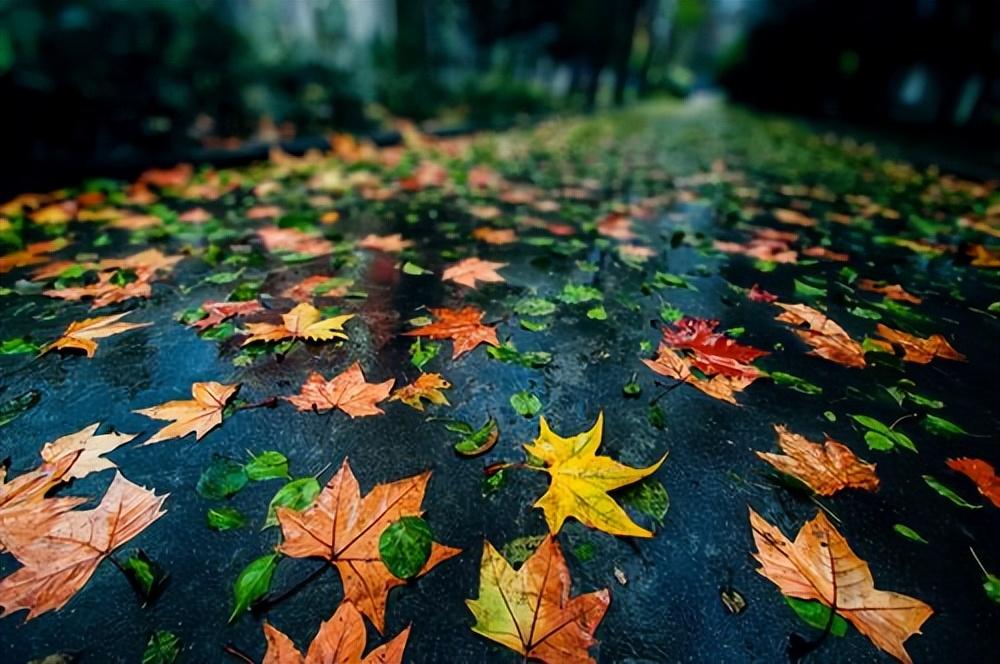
<point x="302" y="322"/>
<point x="826" y="468"/>
<point x="918" y="349"/>
<point x="199" y="415"/>
<point x="982" y="474"/>
<point x="87" y="450"/>
<point x="530" y="610"/>
<point x="891" y="291"/>
<point x="425" y="386"/>
<point x="347" y="391"/>
<point x="81" y="334"/>
<point x="344" y="529"/>
<point x="463" y="326"/>
<point x="104" y="291"/>
<point x="308" y="288"/>
<point x="827" y="339"/>
<point x="221" y="311"/>
<point x="670" y="364"/>
<point x="388" y="243"/>
<point x="470" y="270"/>
<point x="60" y="554"/>
<point x="819" y="565"/>
<point x="793" y="217"/>
<point x="294" y="240"/>
<point x="494" y="235"/>
<point x="24" y="496"/>
<point x="340" y="640"/>
<point x="32" y="254"/>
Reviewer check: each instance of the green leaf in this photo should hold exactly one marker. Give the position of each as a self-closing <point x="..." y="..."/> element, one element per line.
<point x="12" y="409"/>
<point x="649" y="497"/>
<point x="817" y="615"/>
<point x="794" y="382"/>
<point x="162" y="648"/>
<point x="225" y="518"/>
<point x="597" y="313"/>
<point x="479" y="441"/>
<point x="534" y="306"/>
<point x="882" y="438"/>
<point x="878" y="442"/>
<point x="656" y="416"/>
<point x="992" y="587"/>
<point x="405" y="546"/>
<point x="414" y="270"/>
<point x="422" y="352"/>
<point x="267" y="466"/>
<point x="223" y="478"/>
<point x="945" y="491"/>
<point x="579" y="293"/>
<point x="296" y="495"/>
<point x="525" y="403"/>
<point x="532" y="326"/>
<point x="253" y="583"/>
<point x="667" y="280"/>
<point x="147" y="578"/>
<point x="806" y="291"/>
<point x="670" y="314"/>
<point x="631" y="389"/>
<point x="942" y="427"/>
<point x="520" y="549"/>
<point x="18" y="345"/>
<point x="909" y="533"/>
<point x="508" y="353"/>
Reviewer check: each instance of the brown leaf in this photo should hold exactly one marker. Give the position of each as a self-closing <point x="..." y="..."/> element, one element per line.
<point x="462" y="326"/>
<point x="819" y="565"/>
<point x="891" y="291"/>
<point x="344" y="529"/>
<point x="470" y="270"/>
<point x="826" y="468"/>
<point x="86" y="449"/>
<point x="917" y="349"/>
<point x="104" y="292"/>
<point x="426" y="386"/>
<point x="347" y="391"/>
<point x="340" y="640"/>
<point x="81" y="334"/>
<point x="32" y="254"/>
<point x="199" y="415"/>
<point x="828" y="340"/>
<point x="221" y="311"/>
<point x="62" y="553"/>
<point x="670" y="364"/>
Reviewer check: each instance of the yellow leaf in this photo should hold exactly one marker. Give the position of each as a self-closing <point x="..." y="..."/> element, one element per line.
<point x="581" y="481"/>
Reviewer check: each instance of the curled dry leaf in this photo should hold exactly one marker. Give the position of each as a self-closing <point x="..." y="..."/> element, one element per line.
<point x="24" y="497"/>
<point x="86" y="449"/>
<point x="827" y="339"/>
<point x="982" y="474"/>
<point x="463" y="326"/>
<point x="347" y="391"/>
<point x="891" y="291"/>
<point x="530" y="610"/>
<point x="81" y="334"/>
<point x="670" y="364"/>
<point x="199" y="415"/>
<point x="302" y="322"/>
<point x="470" y="270"/>
<point x="344" y="529"/>
<point x="581" y="480"/>
<point x="340" y="640"/>
<point x="825" y="468"/>
<point x="426" y="386"/>
<point x="221" y="311"/>
<point x="59" y="554"/>
<point x="713" y="352"/>
<point x="819" y="565"/>
<point x="918" y="349"/>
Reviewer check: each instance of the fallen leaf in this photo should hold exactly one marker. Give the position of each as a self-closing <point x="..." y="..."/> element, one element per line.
<point x="294" y="240"/>
<point x="425" y="386"/>
<point x="758" y="294"/>
<point x="581" y="480"/>
<point x="470" y="270"/>
<point x="302" y="322"/>
<point x="86" y="449"/>
<point x="793" y="217"/>
<point x="390" y="244"/>
<point x="347" y="391"/>
<point x="827" y="339"/>
<point x="670" y="364"/>
<point x="917" y="349"/>
<point x="825" y="468"/>
<point x="218" y="312"/>
<point x="462" y="326"/>
<point x="982" y="474"/>
<point x="344" y="529"/>
<point x="616" y="226"/>
<point x="340" y="640"/>
<point x="81" y="334"/>
<point x="33" y="254"/>
<point x="530" y="611"/>
<point x="494" y="235"/>
<point x="106" y="290"/>
<point x="63" y="553"/>
<point x="307" y="288"/>
<point x="819" y="565"/>
<point x="24" y="496"/>
<point x="199" y="415"/>
<point x="713" y="352"/>
<point x="891" y="291"/>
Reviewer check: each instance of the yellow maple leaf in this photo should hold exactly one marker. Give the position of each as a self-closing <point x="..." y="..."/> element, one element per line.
<point x="81" y="334"/>
<point x="302" y="322"/>
<point x="581" y="481"/>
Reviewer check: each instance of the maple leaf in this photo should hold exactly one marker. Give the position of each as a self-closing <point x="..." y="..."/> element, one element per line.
<point x="891" y="291"/>
<point x="302" y="322"/>
<point x="306" y="289"/>
<point x="470" y="270"/>
<point x="344" y="529"/>
<point x="32" y="254"/>
<point x="62" y="553"/>
<point x="670" y="364"/>
<point x="714" y="352"/>
<point x="758" y="294"/>
<point x="616" y="226"/>
<point x="494" y="235"/>
<point x="340" y="640"/>
<point x="793" y="217"/>
<point x="462" y="326"/>
<point x="149" y="259"/>
<point x="199" y="415"/>
<point x="81" y="334"/>
<point x="982" y="474"/>
<point x="293" y="240"/>
<point x="87" y="450"/>
<point x="530" y="610"/>
<point x="24" y="496"/>
<point x="827" y="339"/>
<point x="425" y="386"/>
<point x="221" y="311"/>
<point x="581" y="481"/>
<point x="819" y="565"/>
<point x="105" y="291"/>
<point x="347" y="391"/>
<point x="390" y="244"/>
<point x="917" y="349"/>
<point x="826" y="468"/>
